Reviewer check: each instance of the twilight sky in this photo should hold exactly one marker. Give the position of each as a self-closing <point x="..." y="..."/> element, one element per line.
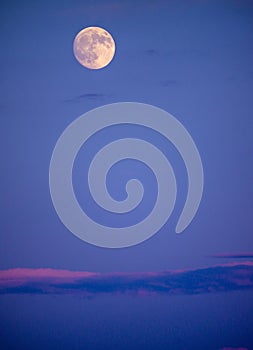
<point x="191" y="58"/>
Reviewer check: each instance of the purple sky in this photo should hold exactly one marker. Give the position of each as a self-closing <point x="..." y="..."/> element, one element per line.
<point x="191" y="58"/>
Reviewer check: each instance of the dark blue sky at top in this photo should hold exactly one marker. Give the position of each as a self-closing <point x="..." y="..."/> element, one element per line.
<point x="190" y="58"/>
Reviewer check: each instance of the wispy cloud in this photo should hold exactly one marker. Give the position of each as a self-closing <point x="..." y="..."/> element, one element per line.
<point x="169" y="82"/>
<point x="234" y="349"/>
<point x="151" y="52"/>
<point x="241" y="255"/>
<point x="176" y="53"/>
<point x="87" y="96"/>
<point x="90" y="96"/>
<point x="219" y="278"/>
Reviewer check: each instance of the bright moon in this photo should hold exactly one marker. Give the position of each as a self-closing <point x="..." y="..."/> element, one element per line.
<point x="94" y="47"/>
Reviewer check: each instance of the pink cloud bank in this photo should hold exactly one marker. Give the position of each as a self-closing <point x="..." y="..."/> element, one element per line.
<point x="218" y="278"/>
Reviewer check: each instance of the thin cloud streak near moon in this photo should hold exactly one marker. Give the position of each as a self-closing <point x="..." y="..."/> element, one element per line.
<point x="87" y="96"/>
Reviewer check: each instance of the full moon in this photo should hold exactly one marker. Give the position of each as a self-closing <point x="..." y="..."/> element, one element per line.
<point x="94" y="47"/>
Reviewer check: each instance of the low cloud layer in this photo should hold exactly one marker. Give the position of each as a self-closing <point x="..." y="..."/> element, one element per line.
<point x="219" y="278"/>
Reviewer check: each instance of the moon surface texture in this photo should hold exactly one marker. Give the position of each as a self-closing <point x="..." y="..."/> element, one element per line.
<point x="94" y="47"/>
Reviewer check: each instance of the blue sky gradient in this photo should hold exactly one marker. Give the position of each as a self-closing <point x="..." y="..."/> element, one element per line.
<point x="191" y="58"/>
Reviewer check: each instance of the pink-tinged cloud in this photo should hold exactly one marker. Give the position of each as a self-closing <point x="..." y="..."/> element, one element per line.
<point x="219" y="278"/>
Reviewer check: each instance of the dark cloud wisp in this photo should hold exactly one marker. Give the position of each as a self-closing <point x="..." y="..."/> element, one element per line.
<point x="241" y="255"/>
<point x="87" y="96"/>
